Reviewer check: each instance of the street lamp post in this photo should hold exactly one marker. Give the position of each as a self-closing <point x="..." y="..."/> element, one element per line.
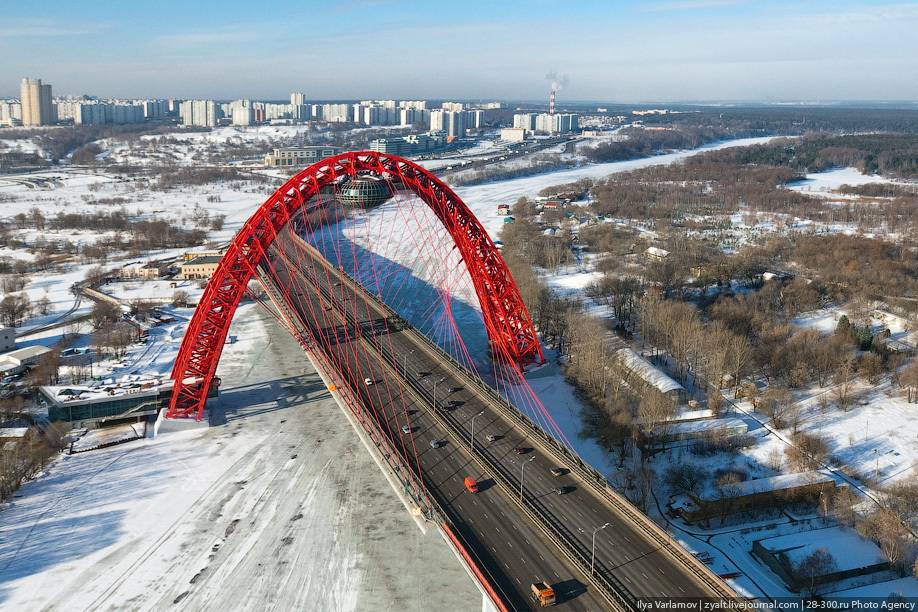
<point x="435" y="392"/>
<point x="593" y="548"/>
<point x="522" y="465"/>
<point x="876" y="476"/>
<point x="472" y="432"/>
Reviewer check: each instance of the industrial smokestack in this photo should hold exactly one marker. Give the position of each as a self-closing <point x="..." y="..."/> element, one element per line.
<point x="551" y="105"/>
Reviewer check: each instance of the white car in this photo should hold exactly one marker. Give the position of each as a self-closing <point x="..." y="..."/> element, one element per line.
<point x="434" y="444"/>
<point x="368" y="381"/>
<point x="406" y="429"/>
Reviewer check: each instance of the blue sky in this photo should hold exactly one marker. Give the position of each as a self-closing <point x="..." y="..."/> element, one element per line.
<point x="614" y="51"/>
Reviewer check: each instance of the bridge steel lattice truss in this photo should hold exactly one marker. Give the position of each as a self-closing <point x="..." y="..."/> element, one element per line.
<point x="509" y="327"/>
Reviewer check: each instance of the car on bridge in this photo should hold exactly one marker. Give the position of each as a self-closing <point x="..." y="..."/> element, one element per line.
<point x="435" y="444"/>
<point x="521" y="450"/>
<point x="558" y="471"/>
<point x="368" y="381"/>
<point x="406" y="429"/>
<point x="491" y="437"/>
<point x="563" y="490"/>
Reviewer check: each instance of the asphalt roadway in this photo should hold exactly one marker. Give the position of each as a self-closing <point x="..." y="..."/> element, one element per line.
<point x="512" y="549"/>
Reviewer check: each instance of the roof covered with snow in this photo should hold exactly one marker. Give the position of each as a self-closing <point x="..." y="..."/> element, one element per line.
<point x="849" y="549"/>
<point x="708" y="425"/>
<point x="647" y="372"/>
<point x="775" y="483"/>
<point x="132" y="384"/>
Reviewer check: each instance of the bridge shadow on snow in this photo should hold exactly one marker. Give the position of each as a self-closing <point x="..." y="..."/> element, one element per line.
<point x="246" y="401"/>
<point x="412" y="296"/>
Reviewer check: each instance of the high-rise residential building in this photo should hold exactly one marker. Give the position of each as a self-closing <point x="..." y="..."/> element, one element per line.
<point x="454" y="123"/>
<point x="10" y="112"/>
<point x="297" y="99"/>
<point x="337" y="113"/>
<point x="410" y="116"/>
<point x="437" y="120"/>
<point x="525" y="121"/>
<point x="474" y="119"/>
<point x="199" y="112"/>
<point x="417" y="104"/>
<point x="243" y="112"/>
<point x="36" y="102"/>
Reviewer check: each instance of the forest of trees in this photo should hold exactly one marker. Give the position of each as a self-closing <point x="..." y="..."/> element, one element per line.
<point x="889" y="154"/>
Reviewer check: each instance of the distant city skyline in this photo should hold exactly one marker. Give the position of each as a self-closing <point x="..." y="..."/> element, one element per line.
<point x="610" y="51"/>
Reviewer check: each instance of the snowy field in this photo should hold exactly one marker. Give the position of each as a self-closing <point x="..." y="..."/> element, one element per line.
<point x="279" y="508"/>
<point x="823" y="183"/>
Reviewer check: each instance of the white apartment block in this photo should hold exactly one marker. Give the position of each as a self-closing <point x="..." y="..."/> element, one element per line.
<point x="198" y="112"/>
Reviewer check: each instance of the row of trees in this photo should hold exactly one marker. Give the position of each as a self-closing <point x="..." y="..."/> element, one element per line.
<point x="23" y="460"/>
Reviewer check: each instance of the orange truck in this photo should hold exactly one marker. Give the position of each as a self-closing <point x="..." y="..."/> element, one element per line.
<point x="543" y="593"/>
<point x="471" y="485"/>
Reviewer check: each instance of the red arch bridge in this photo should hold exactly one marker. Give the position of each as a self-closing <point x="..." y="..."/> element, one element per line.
<point x="406" y="307"/>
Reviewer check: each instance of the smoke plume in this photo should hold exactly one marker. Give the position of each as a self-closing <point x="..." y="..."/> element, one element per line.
<point x="557" y="82"/>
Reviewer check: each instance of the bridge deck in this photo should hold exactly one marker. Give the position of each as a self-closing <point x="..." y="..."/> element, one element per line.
<point x="513" y="549"/>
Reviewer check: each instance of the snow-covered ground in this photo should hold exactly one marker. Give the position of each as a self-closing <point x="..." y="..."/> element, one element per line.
<point x="822" y="183"/>
<point x="228" y="448"/>
<point x="280" y="508"/>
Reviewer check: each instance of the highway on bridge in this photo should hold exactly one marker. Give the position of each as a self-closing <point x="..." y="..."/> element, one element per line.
<point x="512" y="548"/>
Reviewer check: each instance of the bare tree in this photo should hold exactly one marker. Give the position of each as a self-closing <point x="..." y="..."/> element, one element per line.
<point x="775" y="459"/>
<point x="885" y="526"/>
<point x="909" y="379"/>
<point x="11" y="283"/>
<point x="180" y="298"/>
<point x="739" y="354"/>
<point x="728" y="491"/>
<point x="775" y="404"/>
<point x="14" y="308"/>
<point x="685" y="477"/>
<point x="104" y="313"/>
<point x="844" y="381"/>
<point x="656" y="412"/>
<point x="844" y="501"/>
<point x="43" y="305"/>
<point x="96" y="275"/>
<point x="813" y="567"/>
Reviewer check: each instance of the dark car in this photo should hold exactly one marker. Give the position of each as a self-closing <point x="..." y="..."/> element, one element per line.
<point x="521" y="450"/>
<point x="557" y="471"/>
<point x="563" y="490"/>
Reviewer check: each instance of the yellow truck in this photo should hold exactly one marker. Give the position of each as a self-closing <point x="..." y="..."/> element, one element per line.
<point x="543" y="593"/>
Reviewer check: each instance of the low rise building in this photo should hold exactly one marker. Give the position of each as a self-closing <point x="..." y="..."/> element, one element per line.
<point x="133" y="398"/>
<point x="288" y="157"/>
<point x="18" y="361"/>
<point x="853" y="555"/>
<point x="657" y="254"/>
<point x="642" y="375"/>
<point x="757" y="494"/>
<point x="146" y="270"/>
<point x="7" y="339"/>
<point x="200" y="266"/>
<point x="514" y="134"/>
<point x="678" y="431"/>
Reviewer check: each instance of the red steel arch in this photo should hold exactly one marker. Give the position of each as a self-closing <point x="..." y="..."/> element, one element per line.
<point x="508" y="324"/>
